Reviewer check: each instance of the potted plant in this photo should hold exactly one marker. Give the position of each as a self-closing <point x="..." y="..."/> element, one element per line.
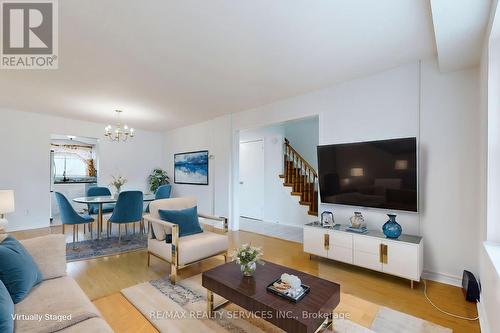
<point x="157" y="178"/>
<point x="248" y="257"/>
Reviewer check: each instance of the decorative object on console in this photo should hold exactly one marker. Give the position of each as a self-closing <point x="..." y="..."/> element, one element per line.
<point x="191" y="168"/>
<point x="357" y="221"/>
<point x="327" y="219"/>
<point x="248" y="257"/>
<point x="118" y="182"/>
<point x="120" y="132"/>
<point x="391" y="228"/>
<point x="6" y="206"/>
<point x="157" y="178"/>
<point x="362" y="230"/>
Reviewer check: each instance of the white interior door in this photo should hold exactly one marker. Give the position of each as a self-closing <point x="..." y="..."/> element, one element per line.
<point x="252" y="179"/>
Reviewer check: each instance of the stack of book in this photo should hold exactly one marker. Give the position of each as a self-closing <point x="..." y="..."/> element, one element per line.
<point x="361" y="230"/>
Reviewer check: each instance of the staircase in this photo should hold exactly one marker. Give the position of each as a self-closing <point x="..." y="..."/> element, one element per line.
<point x="301" y="177"/>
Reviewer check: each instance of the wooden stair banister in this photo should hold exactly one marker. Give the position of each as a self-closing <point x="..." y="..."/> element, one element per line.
<point x="289" y="149"/>
<point x="301" y="177"/>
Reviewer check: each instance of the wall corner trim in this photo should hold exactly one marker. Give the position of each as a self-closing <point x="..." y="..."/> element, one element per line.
<point x="483" y="319"/>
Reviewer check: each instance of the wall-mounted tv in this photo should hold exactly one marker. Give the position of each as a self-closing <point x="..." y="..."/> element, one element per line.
<point x="380" y="174"/>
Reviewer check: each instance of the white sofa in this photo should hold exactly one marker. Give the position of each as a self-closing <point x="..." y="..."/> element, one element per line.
<point x="187" y="250"/>
<point x="57" y="296"/>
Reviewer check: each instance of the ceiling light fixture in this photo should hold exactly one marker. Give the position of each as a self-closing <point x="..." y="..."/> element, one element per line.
<point x="120" y="133"/>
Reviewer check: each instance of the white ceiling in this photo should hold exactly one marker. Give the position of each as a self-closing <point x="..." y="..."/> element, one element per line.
<point x="168" y="63"/>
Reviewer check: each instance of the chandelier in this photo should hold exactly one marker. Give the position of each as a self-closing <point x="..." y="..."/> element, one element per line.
<point x="120" y="133"/>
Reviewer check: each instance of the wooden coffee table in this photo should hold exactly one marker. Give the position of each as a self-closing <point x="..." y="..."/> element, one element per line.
<point x="311" y="314"/>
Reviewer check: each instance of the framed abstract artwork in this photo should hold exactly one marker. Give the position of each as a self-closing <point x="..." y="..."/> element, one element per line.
<point x="191" y="168"/>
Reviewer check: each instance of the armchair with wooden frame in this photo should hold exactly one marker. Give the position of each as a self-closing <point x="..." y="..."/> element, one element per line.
<point x="164" y="242"/>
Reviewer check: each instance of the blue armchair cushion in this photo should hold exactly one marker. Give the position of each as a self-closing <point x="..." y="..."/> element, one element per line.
<point x="6" y="310"/>
<point x="18" y="272"/>
<point x="187" y="219"/>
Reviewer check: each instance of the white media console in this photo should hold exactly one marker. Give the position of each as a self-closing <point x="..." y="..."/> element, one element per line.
<point x="402" y="257"/>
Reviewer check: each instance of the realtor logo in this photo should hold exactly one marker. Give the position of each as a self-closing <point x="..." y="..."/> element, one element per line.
<point x="29" y="34"/>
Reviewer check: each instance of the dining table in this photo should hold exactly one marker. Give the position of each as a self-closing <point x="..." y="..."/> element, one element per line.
<point x="106" y="199"/>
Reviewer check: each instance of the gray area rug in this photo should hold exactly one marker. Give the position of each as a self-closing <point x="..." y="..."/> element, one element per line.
<point x="392" y="321"/>
<point x="95" y="248"/>
<point x="182" y="308"/>
<point x="156" y="298"/>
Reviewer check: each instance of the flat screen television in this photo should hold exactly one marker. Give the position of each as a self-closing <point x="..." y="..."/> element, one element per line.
<point x="380" y="174"/>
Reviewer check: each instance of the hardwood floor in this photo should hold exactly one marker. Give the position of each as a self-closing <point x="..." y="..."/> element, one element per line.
<point x="122" y="316"/>
<point x="103" y="278"/>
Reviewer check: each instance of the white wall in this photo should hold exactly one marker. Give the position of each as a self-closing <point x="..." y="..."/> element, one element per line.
<point x="489" y="226"/>
<point x="490" y="291"/>
<point x="493" y="102"/>
<point x="24" y="150"/>
<point x="214" y="136"/>
<point x="451" y="175"/>
<point x="386" y="105"/>
<point x="443" y="116"/>
<point x="377" y="107"/>
<point x="279" y="205"/>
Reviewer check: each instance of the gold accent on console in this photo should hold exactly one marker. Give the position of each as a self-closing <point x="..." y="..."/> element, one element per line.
<point x="326" y="242"/>
<point x="383" y="256"/>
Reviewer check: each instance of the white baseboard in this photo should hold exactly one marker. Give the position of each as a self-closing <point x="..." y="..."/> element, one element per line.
<point x="483" y="319"/>
<point x="443" y="278"/>
<point x="26" y="228"/>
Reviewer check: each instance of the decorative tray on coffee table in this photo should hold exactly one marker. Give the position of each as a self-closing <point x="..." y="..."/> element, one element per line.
<point x="287" y="293"/>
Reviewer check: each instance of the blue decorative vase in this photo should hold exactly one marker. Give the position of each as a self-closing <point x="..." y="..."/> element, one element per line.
<point x="391" y="228"/>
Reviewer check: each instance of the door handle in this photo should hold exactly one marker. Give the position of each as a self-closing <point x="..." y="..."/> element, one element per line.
<point x="241" y="183"/>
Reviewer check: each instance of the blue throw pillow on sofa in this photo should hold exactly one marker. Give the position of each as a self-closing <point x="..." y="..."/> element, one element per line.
<point x="18" y="272"/>
<point x="6" y="310"/>
<point x="187" y="219"/>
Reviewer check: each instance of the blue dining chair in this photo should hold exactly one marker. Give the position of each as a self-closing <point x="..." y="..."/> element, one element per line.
<point x="99" y="191"/>
<point x="71" y="217"/>
<point x="128" y="209"/>
<point x="162" y="192"/>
